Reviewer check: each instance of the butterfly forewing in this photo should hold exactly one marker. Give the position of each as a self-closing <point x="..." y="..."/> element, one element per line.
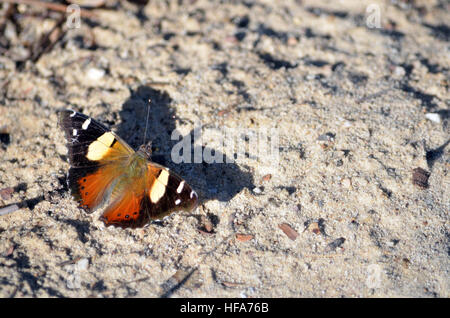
<point x="96" y="156"/>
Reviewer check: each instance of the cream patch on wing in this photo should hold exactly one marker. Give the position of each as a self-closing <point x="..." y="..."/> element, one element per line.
<point x="101" y="147"/>
<point x="159" y="186"/>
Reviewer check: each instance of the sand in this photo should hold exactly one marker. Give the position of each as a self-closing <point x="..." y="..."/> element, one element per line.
<point x="356" y="109"/>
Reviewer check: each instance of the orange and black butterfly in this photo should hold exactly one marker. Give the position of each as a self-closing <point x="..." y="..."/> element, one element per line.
<point x="104" y="168"/>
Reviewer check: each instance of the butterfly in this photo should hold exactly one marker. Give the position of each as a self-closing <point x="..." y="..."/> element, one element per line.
<point x="104" y="168"/>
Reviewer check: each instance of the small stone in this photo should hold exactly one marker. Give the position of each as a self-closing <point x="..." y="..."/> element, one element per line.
<point x="6" y="193"/>
<point x="329" y="136"/>
<point x="399" y="71"/>
<point x="288" y="230"/>
<point x="83" y="264"/>
<point x="336" y="243"/>
<point x="292" y="41"/>
<point x="420" y="178"/>
<point x="434" y="117"/>
<point x="244" y="237"/>
<point x="314" y="227"/>
<point x="347" y="183"/>
<point x="405" y="263"/>
<point x="347" y="124"/>
<point x="207" y="225"/>
<point x="95" y="74"/>
<point x="257" y="190"/>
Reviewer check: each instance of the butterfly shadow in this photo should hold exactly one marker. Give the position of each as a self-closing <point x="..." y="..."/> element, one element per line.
<point x="212" y="181"/>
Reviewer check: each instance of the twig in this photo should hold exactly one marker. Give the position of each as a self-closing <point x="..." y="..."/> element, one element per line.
<point x="9" y="209"/>
<point x="9" y="12"/>
<point x="47" y="42"/>
<point x="53" y="6"/>
<point x="169" y="292"/>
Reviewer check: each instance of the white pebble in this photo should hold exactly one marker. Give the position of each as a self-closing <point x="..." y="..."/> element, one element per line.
<point x="83" y="264"/>
<point x="257" y="190"/>
<point x="347" y="183"/>
<point x="94" y="74"/>
<point x="433" y="117"/>
<point x="399" y="71"/>
<point x="347" y="124"/>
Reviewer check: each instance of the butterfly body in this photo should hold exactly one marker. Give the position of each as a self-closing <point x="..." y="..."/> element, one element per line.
<point x="104" y="168"/>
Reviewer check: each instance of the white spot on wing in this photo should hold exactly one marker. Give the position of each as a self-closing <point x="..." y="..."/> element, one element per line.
<point x="180" y="187"/>
<point x="177" y="201"/>
<point x="75" y="132"/>
<point x="73" y="114"/>
<point x="86" y="123"/>
<point x="192" y="194"/>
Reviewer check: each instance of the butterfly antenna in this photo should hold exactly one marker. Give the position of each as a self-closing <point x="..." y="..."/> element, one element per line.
<point x="146" y="122"/>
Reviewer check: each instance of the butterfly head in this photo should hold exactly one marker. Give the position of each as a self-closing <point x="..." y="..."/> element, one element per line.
<point x="146" y="150"/>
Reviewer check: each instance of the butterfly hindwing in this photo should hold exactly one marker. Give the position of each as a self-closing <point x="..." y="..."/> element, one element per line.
<point x="126" y="211"/>
<point x="162" y="193"/>
<point x="167" y="192"/>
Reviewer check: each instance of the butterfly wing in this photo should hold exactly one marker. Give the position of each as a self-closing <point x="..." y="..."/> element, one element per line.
<point x="157" y="195"/>
<point x="97" y="158"/>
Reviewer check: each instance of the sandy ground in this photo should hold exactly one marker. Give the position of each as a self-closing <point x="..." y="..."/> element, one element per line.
<point x="342" y="214"/>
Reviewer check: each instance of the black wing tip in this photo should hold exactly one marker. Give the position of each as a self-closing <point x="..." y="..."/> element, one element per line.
<point x="64" y="117"/>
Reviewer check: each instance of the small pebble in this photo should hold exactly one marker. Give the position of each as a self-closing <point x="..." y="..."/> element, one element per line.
<point x="314" y="227"/>
<point x="257" y="190"/>
<point x="420" y="178"/>
<point x="399" y="71"/>
<point x="95" y="74"/>
<point x="6" y="193"/>
<point x="244" y="237"/>
<point x="207" y="224"/>
<point x="433" y="117"/>
<point x="336" y="243"/>
<point x="347" y="183"/>
<point x="347" y="124"/>
<point x="83" y="264"/>
<point x="288" y="230"/>
<point x="327" y="137"/>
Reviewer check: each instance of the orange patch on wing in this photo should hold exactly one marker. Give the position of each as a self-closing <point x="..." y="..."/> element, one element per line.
<point x="152" y="171"/>
<point x="92" y="188"/>
<point x="124" y="211"/>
